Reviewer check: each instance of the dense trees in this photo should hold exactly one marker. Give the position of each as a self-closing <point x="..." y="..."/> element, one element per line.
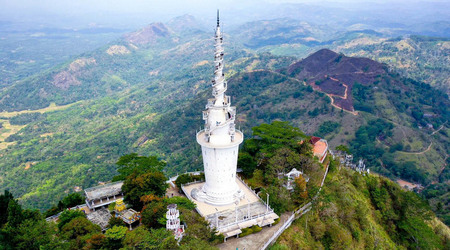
<point x="133" y="163"/>
<point x="77" y="231"/>
<point x="24" y="229"/>
<point x="143" y="176"/>
<point x="27" y="229"/>
<point x="272" y="151"/>
<point x="326" y="128"/>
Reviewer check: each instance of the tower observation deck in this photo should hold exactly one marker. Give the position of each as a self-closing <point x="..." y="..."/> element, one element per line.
<point x="219" y="139"/>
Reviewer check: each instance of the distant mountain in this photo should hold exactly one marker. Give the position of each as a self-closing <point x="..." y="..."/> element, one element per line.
<point x="258" y="34"/>
<point x="420" y="58"/>
<point x="335" y="74"/>
<point x="99" y="73"/>
<point x="186" y="23"/>
<point x="148" y="34"/>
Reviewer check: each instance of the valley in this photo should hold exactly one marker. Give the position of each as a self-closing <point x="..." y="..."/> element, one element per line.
<point x="130" y="95"/>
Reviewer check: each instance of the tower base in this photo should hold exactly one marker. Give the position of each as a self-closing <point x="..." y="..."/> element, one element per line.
<point x="231" y="219"/>
<point x="202" y="195"/>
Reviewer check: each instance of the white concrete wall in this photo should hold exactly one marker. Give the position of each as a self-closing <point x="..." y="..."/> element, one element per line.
<point x="220" y="174"/>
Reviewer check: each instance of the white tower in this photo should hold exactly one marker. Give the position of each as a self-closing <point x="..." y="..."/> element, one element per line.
<point x="219" y="140"/>
<point x="173" y="221"/>
<point x="172" y="216"/>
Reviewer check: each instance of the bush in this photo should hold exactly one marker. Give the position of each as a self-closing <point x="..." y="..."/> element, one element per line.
<point x="250" y="230"/>
<point x="181" y="202"/>
<point x="256" y="228"/>
<point x="183" y="179"/>
<point x="276" y="222"/>
<point x="245" y="232"/>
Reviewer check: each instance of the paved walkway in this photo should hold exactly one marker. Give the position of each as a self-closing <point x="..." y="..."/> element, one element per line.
<point x="256" y="240"/>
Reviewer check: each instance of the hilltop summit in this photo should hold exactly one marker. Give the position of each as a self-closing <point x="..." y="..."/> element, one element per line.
<point x="148" y="34"/>
<point x="335" y="74"/>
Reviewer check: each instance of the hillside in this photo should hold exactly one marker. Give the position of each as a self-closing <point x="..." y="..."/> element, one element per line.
<point x="144" y="93"/>
<point x="421" y="58"/>
<point x="417" y="57"/>
<point x="130" y="61"/>
<point x="365" y="212"/>
<point x="336" y="74"/>
<point x="94" y="133"/>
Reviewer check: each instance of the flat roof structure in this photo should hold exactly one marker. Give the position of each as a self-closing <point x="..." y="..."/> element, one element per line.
<point x="102" y="195"/>
<point x="100" y="217"/>
<point x="230" y="219"/>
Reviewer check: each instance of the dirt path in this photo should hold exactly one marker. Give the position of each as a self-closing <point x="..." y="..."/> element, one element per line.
<point x="419" y="153"/>
<point x="343" y="97"/>
<point x="51" y="107"/>
<point x="329" y="95"/>
<point x="441" y="127"/>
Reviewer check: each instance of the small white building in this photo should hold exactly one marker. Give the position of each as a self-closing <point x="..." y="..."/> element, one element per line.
<point x="294" y="173"/>
<point x="173" y="221"/>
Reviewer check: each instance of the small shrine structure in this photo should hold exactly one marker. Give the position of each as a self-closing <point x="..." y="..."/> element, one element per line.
<point x="129" y="216"/>
<point x="173" y="221"/>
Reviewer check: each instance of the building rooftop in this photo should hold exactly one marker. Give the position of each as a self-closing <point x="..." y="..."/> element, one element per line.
<point x="103" y="191"/>
<point x="320" y="147"/>
<point x="100" y="217"/>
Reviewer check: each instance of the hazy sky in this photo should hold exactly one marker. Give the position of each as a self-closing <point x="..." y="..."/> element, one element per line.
<point x="135" y="13"/>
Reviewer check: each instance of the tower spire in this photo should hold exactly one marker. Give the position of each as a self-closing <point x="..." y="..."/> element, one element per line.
<point x="218" y="18"/>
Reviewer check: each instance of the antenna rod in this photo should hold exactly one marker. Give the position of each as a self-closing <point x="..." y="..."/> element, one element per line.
<point x="218" y="18"/>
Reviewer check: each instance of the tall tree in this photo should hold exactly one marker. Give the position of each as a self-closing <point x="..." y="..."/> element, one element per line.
<point x="300" y="189"/>
<point x="114" y="237"/>
<point x="4" y="203"/>
<point x="247" y="164"/>
<point x="270" y="137"/>
<point x="133" y="163"/>
<point x="138" y="185"/>
<point x="283" y="160"/>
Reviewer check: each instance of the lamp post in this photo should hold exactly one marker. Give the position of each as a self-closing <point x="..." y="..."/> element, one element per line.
<point x="267" y="204"/>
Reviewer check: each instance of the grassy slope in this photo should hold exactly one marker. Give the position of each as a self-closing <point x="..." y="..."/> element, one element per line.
<point x="346" y="217"/>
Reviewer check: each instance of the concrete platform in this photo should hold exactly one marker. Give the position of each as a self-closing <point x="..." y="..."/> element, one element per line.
<point x="230" y="219"/>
